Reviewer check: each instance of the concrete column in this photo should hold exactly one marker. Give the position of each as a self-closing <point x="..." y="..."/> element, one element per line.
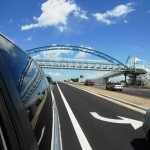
<point x="134" y="79"/>
<point x="106" y="80"/>
<point x="125" y="75"/>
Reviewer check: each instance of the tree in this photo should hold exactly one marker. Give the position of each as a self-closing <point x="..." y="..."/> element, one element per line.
<point x="75" y="80"/>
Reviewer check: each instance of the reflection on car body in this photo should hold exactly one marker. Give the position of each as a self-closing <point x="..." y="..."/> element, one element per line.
<point x="114" y="86"/>
<point x="146" y="125"/>
<point x="26" y="95"/>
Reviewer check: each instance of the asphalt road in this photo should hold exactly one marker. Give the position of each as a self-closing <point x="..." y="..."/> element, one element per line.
<point x="82" y="130"/>
<point x="145" y="93"/>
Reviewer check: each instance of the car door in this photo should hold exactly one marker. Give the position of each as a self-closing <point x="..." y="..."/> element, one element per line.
<point x="29" y="99"/>
<point x="19" y="125"/>
<point x="8" y="139"/>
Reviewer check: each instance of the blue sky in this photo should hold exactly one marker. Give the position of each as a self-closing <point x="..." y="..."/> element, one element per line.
<point x="118" y="28"/>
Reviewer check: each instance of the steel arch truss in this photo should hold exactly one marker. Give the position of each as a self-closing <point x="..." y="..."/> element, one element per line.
<point x="115" y="64"/>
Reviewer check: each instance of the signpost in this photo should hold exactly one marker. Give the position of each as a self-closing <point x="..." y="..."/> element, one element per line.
<point x="81" y="77"/>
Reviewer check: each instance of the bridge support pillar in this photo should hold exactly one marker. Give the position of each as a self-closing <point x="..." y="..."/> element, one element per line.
<point x="125" y="75"/>
<point x="134" y="79"/>
<point x="106" y="80"/>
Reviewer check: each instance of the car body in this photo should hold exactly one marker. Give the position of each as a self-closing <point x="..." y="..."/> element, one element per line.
<point x="146" y="125"/>
<point x="28" y="114"/>
<point x="89" y="82"/>
<point x="114" y="86"/>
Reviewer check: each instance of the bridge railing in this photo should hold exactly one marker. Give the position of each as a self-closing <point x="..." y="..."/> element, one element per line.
<point x="79" y="64"/>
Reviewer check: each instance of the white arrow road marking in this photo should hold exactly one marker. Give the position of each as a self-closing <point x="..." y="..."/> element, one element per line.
<point x="135" y="123"/>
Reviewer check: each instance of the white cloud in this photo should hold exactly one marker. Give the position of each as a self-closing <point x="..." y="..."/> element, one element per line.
<point x="52" y="74"/>
<point x="56" y="76"/>
<point x="56" y="13"/>
<point x="28" y="38"/>
<point x="36" y="57"/>
<point x="148" y="12"/>
<point x="81" y="14"/>
<point x="81" y="55"/>
<point x="56" y="53"/>
<point x="125" y="21"/>
<point x="93" y="75"/>
<point x="119" y="11"/>
<point x="7" y="46"/>
<point x="11" y="21"/>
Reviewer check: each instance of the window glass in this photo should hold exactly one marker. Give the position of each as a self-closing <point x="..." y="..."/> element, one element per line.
<point x="117" y="83"/>
<point x="27" y="76"/>
<point x="15" y="58"/>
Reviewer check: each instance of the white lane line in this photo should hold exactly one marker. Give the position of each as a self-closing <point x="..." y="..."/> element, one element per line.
<point x="81" y="137"/>
<point x="3" y="140"/>
<point x="43" y="130"/>
<point x="56" y="141"/>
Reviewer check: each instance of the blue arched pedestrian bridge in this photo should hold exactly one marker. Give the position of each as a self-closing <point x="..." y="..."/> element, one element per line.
<point x="109" y="63"/>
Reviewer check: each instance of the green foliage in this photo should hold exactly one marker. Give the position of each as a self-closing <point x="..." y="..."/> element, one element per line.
<point x="75" y="80"/>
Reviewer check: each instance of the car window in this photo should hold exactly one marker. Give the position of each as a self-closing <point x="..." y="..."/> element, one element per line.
<point x="28" y="78"/>
<point x="117" y="83"/>
<point x="12" y="53"/>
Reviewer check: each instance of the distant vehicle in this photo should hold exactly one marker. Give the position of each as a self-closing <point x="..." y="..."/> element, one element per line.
<point x="49" y="78"/>
<point x="51" y="82"/>
<point x="54" y="82"/>
<point x="146" y="125"/>
<point x="114" y="86"/>
<point x="28" y="113"/>
<point x="89" y="82"/>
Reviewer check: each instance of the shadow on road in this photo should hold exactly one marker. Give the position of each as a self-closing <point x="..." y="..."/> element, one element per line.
<point x="140" y="144"/>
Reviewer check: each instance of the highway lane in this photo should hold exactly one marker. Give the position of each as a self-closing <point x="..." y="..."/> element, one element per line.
<point x="101" y="133"/>
<point x="145" y="93"/>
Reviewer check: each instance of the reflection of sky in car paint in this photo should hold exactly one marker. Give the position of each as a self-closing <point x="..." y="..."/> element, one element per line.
<point x="26" y="70"/>
<point x="29" y="77"/>
<point x="7" y="46"/>
<point x="28" y="92"/>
